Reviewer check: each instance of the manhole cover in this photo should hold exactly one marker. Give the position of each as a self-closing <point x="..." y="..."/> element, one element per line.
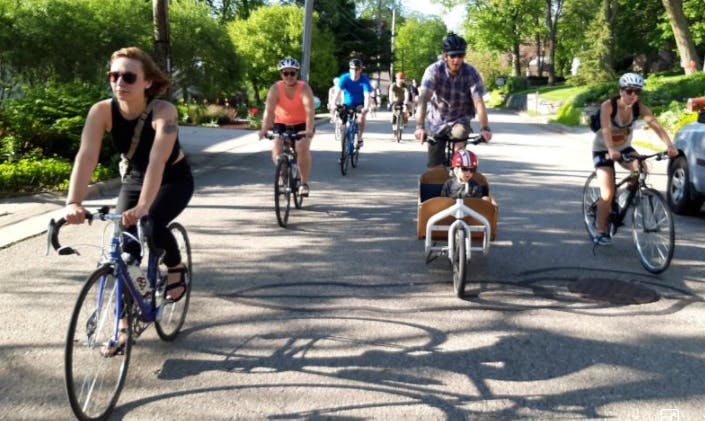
<point x="613" y="291"/>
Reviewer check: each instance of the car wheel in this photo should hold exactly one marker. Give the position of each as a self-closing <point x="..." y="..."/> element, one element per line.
<point x="679" y="194"/>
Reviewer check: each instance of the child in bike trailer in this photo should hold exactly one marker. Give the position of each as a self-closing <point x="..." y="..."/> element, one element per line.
<point x="464" y="173"/>
<point x="614" y="139"/>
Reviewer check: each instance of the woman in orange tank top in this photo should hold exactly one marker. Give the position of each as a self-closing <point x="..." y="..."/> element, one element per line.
<point x="289" y="107"/>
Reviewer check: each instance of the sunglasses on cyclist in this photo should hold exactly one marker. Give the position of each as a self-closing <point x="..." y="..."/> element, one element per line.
<point x="127" y="77"/>
<point x="289" y="74"/>
<point x="456" y="55"/>
<point x="632" y="91"/>
<point x="467" y="169"/>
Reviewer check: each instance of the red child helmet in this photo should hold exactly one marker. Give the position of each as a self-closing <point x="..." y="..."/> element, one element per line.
<point x="464" y="158"/>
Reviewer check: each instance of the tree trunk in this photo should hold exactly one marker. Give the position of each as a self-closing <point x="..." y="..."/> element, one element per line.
<point x="160" y="13"/>
<point x="517" y="64"/>
<point x="681" y="32"/>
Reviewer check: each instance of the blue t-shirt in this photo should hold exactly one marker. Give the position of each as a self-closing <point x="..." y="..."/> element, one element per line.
<point x="354" y="90"/>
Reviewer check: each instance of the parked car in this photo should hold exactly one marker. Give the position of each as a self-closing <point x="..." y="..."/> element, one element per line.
<point x="686" y="172"/>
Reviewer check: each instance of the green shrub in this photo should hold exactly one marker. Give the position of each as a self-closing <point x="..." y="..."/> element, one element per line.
<point x="32" y="175"/>
<point x="50" y="117"/>
<point x="568" y="114"/>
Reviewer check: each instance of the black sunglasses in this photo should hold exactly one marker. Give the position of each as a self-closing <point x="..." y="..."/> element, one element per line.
<point x="467" y="169"/>
<point x="127" y="77"/>
<point x="630" y="91"/>
<point x="289" y="73"/>
<point x="456" y="55"/>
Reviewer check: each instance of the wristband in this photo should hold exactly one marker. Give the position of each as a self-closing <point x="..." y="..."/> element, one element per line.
<point x="486" y="128"/>
<point x="73" y="203"/>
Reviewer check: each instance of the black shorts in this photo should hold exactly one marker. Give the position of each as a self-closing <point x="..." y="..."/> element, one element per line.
<point x="286" y="128"/>
<point x="601" y="159"/>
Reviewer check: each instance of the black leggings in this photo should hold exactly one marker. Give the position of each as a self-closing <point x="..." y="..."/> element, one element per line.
<point x="173" y="196"/>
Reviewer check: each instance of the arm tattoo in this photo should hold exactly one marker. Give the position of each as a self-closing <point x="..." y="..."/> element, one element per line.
<point x="171" y="127"/>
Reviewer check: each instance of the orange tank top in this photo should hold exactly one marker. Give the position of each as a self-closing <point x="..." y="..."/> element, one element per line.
<point x="290" y="111"/>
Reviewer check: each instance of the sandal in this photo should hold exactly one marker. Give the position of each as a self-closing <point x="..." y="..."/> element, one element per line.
<point x="113" y="349"/>
<point x="181" y="283"/>
<point x="304" y="190"/>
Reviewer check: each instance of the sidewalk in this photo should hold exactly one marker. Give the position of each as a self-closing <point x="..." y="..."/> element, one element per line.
<point x="28" y="216"/>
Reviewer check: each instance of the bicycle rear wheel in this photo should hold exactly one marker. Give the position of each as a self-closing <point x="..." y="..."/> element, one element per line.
<point x="282" y="192"/>
<point x="591" y="195"/>
<point x="459" y="263"/>
<point x="93" y="381"/>
<point x="173" y="314"/>
<point x="654" y="233"/>
<point x="344" y="153"/>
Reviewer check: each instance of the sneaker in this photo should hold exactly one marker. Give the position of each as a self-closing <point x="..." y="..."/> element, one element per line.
<point x="304" y="190"/>
<point x="602" y="239"/>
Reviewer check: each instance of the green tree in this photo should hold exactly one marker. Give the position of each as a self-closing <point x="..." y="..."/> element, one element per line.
<point x="418" y="44"/>
<point x="204" y="59"/>
<point x="503" y="25"/>
<point x="271" y="33"/>
<point x="596" y="60"/>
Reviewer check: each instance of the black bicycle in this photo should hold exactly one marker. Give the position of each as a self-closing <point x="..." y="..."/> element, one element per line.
<point x="287" y="177"/>
<point x="472" y="139"/>
<point x="652" y="221"/>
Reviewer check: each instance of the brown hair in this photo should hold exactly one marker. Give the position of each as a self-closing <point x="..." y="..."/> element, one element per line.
<point x="152" y="72"/>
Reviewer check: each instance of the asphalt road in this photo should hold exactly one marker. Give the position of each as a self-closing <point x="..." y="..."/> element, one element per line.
<point x="339" y="317"/>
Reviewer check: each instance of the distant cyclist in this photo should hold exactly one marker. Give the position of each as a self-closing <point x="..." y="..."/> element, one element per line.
<point x="399" y="96"/>
<point x="614" y="139"/>
<point x="450" y="96"/>
<point x="289" y="108"/>
<point x="356" y="88"/>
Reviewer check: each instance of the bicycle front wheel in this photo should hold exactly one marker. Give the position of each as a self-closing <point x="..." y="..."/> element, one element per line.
<point x="654" y="233"/>
<point x="94" y="381"/>
<point x="355" y="152"/>
<point x="173" y="314"/>
<point x="282" y="192"/>
<point x="344" y="153"/>
<point x="591" y="195"/>
<point x="398" y="128"/>
<point x="459" y="263"/>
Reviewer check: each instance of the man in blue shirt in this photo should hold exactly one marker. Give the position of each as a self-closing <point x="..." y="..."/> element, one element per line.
<point x="450" y="96"/>
<point x="356" y="88"/>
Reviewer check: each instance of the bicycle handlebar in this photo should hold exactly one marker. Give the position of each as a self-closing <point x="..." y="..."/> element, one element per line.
<point x="639" y="157"/>
<point x="286" y="135"/>
<point x="473" y="139"/>
<point x="102" y="214"/>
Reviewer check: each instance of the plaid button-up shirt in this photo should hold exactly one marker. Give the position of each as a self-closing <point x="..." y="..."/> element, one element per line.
<point x="452" y="100"/>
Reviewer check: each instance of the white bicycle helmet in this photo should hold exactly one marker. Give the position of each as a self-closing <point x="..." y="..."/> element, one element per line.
<point x="288" y="63"/>
<point x="631" y="80"/>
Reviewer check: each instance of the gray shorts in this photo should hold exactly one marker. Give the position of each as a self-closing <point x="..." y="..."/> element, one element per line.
<point x="437" y="152"/>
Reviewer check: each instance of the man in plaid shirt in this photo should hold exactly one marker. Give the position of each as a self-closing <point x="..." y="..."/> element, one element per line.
<point x="449" y="97"/>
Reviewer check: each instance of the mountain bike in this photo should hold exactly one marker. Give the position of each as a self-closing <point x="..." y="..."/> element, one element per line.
<point x="398" y="120"/>
<point x="287" y="177"/>
<point x="472" y="139"/>
<point x="349" y="151"/>
<point x="652" y="222"/>
<point x="117" y="303"/>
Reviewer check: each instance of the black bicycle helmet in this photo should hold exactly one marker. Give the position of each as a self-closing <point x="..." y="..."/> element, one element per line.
<point x="356" y="63"/>
<point x="454" y="44"/>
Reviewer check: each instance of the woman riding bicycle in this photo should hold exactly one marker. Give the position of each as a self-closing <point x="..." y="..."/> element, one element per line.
<point x="614" y="139"/>
<point x="158" y="181"/>
<point x="289" y="107"/>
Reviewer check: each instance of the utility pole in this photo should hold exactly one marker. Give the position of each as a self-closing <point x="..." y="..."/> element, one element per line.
<point x="394" y="29"/>
<point x="306" y="54"/>
<point x="160" y="15"/>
